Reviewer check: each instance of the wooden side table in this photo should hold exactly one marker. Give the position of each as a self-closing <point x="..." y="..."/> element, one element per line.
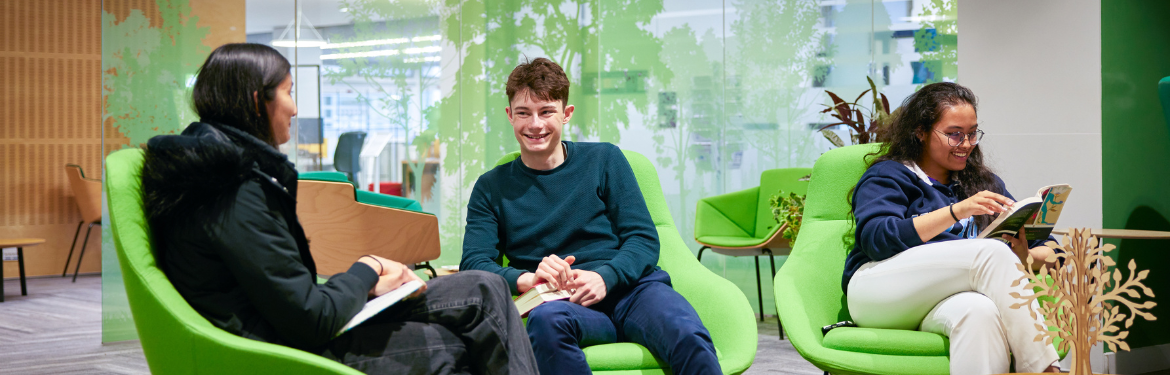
<point x="19" y="244"/>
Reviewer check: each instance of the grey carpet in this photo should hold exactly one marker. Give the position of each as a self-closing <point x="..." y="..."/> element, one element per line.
<point x="56" y="329"/>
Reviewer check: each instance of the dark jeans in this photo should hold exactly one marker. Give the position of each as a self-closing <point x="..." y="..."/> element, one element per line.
<point x="464" y="323"/>
<point x="651" y="314"/>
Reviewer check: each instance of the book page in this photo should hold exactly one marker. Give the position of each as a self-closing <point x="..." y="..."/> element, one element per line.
<point x="376" y="305"/>
<point x="1041" y="223"/>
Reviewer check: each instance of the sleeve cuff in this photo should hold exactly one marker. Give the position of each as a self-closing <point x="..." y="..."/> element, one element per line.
<point x="608" y="275"/>
<point x="512" y="275"/>
<point x="907" y="233"/>
<point x="364" y="273"/>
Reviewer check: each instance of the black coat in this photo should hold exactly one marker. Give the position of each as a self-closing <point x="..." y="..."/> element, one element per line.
<point x="221" y="205"/>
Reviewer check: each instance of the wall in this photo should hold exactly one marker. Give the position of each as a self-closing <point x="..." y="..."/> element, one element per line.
<point x="1036" y="68"/>
<point x="1135" y="51"/>
<point x="50" y="59"/>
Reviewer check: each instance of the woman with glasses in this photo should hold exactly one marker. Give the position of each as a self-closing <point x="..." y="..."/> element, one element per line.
<point x="917" y="264"/>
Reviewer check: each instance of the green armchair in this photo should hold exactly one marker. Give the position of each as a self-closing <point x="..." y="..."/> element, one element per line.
<point x="810" y="285"/>
<point x="741" y="223"/>
<point x="175" y="338"/>
<point x="727" y="315"/>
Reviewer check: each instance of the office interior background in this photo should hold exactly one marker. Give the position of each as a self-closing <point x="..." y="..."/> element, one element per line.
<point x="713" y="92"/>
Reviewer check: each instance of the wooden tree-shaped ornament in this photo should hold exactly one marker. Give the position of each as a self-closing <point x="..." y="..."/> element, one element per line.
<point x="1080" y="309"/>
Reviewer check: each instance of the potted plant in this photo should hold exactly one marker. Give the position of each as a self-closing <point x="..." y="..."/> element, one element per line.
<point x="850" y="114"/>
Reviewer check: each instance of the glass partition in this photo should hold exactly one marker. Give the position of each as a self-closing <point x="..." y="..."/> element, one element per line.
<point x="713" y="93"/>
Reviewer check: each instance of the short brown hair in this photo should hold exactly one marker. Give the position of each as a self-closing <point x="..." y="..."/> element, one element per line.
<point x="543" y="78"/>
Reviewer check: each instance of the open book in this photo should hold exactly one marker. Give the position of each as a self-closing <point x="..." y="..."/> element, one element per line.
<point x="539" y="294"/>
<point x="1035" y="215"/>
<point x="376" y="305"/>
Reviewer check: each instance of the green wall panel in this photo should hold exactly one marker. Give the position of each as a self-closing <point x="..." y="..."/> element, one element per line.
<point x="1135" y="144"/>
<point x="145" y="70"/>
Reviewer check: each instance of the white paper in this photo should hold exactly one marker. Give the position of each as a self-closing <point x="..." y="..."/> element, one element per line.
<point x="376" y="305"/>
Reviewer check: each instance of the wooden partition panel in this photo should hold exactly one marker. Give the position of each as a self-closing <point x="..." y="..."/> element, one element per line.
<point x="50" y="111"/>
<point x="340" y="229"/>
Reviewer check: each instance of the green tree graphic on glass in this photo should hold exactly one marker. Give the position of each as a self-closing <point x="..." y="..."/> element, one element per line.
<point x="146" y="71"/>
<point x="394" y="83"/>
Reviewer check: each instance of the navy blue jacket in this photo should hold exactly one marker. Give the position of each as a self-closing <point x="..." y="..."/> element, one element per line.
<point x="887" y="199"/>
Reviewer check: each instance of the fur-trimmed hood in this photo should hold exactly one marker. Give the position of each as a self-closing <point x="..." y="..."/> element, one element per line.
<point x="193" y="171"/>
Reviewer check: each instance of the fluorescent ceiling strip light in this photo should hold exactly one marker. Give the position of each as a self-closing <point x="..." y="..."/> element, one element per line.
<point x="333" y="56"/>
<point x="415" y="51"/>
<point x="422" y="59"/>
<point x="426" y="38"/>
<point x="383" y="42"/>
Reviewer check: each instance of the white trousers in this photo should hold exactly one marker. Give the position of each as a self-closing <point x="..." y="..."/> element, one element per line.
<point x="959" y="289"/>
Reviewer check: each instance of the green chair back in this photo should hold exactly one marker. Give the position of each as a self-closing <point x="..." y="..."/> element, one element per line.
<point x="772" y="181"/>
<point x="175" y="338"/>
<point x="808" y="287"/>
<point x="724" y="310"/>
<point x="363" y="196"/>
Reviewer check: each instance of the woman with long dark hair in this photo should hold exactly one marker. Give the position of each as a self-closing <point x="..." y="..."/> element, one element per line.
<point x="916" y="263"/>
<point x="221" y="204"/>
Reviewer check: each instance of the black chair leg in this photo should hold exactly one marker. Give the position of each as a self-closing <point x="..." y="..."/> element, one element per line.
<point x="427" y="265"/>
<point x="759" y="288"/>
<point x="772" y="260"/>
<point x="20" y="260"/>
<point x="84" y="243"/>
<point x="71" y="247"/>
<point x="700" y="257"/>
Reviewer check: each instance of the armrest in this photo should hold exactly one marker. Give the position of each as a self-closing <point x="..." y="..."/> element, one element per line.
<point x="731" y="214"/>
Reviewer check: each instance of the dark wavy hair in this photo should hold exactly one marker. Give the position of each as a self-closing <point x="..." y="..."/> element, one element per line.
<point x="225" y="83"/>
<point x="543" y="78"/>
<point x="917" y="117"/>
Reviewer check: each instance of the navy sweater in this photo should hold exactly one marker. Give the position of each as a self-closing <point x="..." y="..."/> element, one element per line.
<point x="590" y="207"/>
<point x="887" y="199"/>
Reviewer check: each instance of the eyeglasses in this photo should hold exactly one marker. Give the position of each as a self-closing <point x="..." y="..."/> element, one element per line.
<point x="956" y="138"/>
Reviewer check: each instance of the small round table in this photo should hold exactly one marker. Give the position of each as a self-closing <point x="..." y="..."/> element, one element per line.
<point x="19" y="244"/>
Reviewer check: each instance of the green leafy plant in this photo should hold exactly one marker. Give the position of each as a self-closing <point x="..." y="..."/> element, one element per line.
<point x="788" y="211"/>
<point x="850" y="114"/>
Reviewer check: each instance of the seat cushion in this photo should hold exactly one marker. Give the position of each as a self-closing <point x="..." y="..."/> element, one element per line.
<point x="731" y="241"/>
<point x="621" y="356"/>
<point x="887" y="341"/>
<point x="625" y="356"/>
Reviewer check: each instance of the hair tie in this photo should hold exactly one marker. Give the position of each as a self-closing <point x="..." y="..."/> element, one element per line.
<point x="380" y="268"/>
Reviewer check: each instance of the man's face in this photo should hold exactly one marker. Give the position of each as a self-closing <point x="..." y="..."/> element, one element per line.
<point x="537" y="123"/>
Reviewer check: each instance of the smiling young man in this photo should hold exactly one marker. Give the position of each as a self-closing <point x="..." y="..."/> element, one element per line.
<point x="571" y="214"/>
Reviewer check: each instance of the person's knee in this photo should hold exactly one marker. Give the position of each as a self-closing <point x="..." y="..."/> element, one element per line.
<point x="997" y="253"/>
<point x="980" y="314"/>
<point x="550" y="323"/>
<point x="551" y="318"/>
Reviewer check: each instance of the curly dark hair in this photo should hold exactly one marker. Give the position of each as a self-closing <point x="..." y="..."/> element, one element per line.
<point x="917" y="116"/>
<point x="543" y="78"/>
